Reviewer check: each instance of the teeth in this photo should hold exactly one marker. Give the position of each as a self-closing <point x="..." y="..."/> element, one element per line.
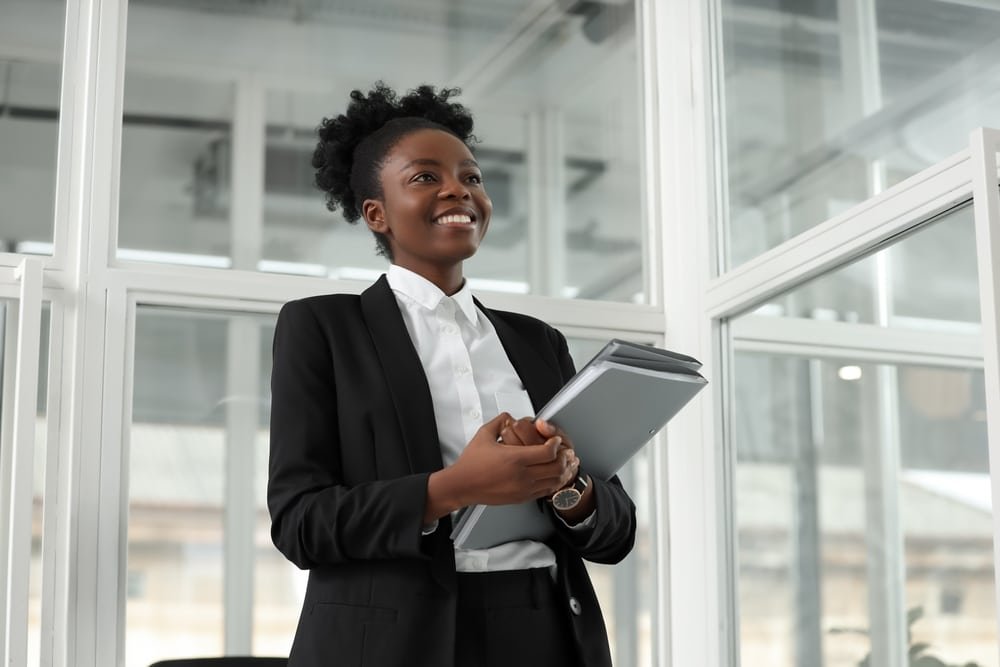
<point x="454" y="220"/>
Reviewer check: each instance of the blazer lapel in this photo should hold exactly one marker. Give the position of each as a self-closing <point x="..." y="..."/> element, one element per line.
<point x="540" y="378"/>
<point x="405" y="376"/>
<point x="412" y="398"/>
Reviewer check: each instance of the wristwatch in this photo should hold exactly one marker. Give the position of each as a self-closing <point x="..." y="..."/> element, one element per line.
<point x="569" y="497"/>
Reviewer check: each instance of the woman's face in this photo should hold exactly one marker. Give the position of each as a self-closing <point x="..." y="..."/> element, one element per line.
<point x="434" y="209"/>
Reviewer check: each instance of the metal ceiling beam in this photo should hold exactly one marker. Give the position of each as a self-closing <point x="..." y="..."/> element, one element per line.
<point x="496" y="59"/>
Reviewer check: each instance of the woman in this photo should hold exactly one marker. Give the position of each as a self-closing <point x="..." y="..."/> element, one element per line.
<point x="390" y="412"/>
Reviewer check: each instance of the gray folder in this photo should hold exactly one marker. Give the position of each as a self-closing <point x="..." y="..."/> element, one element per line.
<point x="610" y="409"/>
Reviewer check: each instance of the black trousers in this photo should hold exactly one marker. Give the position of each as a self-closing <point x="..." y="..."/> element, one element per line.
<point x="513" y="618"/>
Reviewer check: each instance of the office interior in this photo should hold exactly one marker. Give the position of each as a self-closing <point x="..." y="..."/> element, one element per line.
<point x="797" y="192"/>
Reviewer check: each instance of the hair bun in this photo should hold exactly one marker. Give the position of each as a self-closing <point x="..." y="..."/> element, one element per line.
<point x="339" y="137"/>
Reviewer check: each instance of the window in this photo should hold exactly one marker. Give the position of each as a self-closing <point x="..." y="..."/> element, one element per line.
<point x="215" y="161"/>
<point x="198" y="527"/>
<point x="31" y="37"/>
<point x="862" y="487"/>
<point x="828" y="104"/>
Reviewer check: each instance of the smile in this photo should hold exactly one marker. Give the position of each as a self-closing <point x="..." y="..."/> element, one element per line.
<point x="454" y="219"/>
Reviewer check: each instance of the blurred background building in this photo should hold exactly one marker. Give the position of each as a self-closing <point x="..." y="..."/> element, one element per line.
<point x="783" y="188"/>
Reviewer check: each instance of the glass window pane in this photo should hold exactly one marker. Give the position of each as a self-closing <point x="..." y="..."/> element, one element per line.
<point x="827" y="104"/>
<point x="849" y="470"/>
<point x="927" y="281"/>
<point x="807" y="540"/>
<point x="554" y="87"/>
<point x="193" y="410"/>
<point x="176" y="170"/>
<point x="29" y="127"/>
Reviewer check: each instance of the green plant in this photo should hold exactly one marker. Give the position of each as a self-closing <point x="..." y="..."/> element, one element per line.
<point x="917" y="652"/>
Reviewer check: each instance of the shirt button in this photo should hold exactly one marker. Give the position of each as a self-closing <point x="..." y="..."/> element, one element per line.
<point x="574" y="606"/>
<point x="464" y="369"/>
<point x="475" y="414"/>
<point x="451" y="329"/>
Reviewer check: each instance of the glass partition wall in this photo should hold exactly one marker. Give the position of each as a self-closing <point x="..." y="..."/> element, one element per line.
<point x="862" y="488"/>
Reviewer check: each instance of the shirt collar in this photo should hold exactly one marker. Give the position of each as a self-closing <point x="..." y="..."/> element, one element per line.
<point x="427" y="294"/>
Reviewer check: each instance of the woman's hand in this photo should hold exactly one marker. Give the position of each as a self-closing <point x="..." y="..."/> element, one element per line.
<point x="527" y="431"/>
<point x="491" y="472"/>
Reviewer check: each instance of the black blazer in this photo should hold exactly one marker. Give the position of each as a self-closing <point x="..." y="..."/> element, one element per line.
<point x="353" y="440"/>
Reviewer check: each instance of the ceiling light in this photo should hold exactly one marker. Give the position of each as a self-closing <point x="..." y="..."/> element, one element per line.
<point x="849" y="373"/>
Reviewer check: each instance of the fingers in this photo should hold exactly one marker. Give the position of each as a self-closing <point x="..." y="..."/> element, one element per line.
<point x="545" y="428"/>
<point x="521" y="432"/>
<point x="546" y="452"/>
<point x="550" y="477"/>
<point x="509" y="435"/>
<point x="526" y="431"/>
<point x="549" y="430"/>
<point x="548" y="462"/>
<point x="495" y="425"/>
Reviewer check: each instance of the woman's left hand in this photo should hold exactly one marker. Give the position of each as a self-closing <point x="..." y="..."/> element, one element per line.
<point x="527" y="431"/>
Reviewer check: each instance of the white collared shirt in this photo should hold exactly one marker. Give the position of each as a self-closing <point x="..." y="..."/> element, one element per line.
<point x="471" y="381"/>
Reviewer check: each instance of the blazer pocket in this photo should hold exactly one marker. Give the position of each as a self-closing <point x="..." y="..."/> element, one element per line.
<point x="350" y="613"/>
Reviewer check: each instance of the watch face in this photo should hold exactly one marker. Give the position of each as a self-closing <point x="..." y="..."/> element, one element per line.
<point x="566" y="499"/>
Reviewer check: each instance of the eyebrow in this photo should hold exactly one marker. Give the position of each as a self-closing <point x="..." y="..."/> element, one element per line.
<point x="468" y="162"/>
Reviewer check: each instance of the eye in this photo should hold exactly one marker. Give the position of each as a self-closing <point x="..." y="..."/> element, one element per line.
<point x="424" y="177"/>
<point x="475" y="178"/>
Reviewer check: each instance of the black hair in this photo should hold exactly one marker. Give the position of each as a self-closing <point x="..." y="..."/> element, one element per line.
<point x="353" y="146"/>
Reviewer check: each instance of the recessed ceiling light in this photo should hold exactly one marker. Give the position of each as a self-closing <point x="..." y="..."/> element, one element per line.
<point x="849" y="372"/>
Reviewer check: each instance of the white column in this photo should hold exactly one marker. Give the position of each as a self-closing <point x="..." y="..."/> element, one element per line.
<point x="88" y="623"/>
<point x="242" y="376"/>
<point x="22" y="477"/>
<point x="883" y="529"/>
<point x="246" y="218"/>
<point x="696" y="605"/>
<point x="546" y="202"/>
<point x="860" y="68"/>
<point x="8" y="322"/>
<point x="246" y="205"/>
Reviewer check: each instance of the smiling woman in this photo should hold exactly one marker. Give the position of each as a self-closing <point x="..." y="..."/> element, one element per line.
<point x="391" y="410"/>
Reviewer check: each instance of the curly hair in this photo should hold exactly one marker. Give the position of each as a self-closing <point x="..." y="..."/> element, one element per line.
<point x="353" y="146"/>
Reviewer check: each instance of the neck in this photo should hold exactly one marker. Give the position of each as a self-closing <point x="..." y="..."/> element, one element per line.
<point x="448" y="280"/>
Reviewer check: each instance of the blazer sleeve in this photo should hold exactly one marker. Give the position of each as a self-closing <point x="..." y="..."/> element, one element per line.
<point x="316" y="519"/>
<point x="612" y="536"/>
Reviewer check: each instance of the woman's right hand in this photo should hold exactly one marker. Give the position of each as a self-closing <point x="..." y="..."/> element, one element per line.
<point x="491" y="473"/>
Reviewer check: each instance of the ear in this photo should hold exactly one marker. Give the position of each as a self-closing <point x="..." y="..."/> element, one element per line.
<point x="373" y="212"/>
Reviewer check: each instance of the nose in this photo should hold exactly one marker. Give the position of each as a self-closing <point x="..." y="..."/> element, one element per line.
<point x="454" y="188"/>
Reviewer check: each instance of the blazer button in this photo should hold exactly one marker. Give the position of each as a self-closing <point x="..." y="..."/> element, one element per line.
<point x="574" y="606"/>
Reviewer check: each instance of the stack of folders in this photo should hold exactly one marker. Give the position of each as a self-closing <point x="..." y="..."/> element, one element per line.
<point x="609" y="410"/>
